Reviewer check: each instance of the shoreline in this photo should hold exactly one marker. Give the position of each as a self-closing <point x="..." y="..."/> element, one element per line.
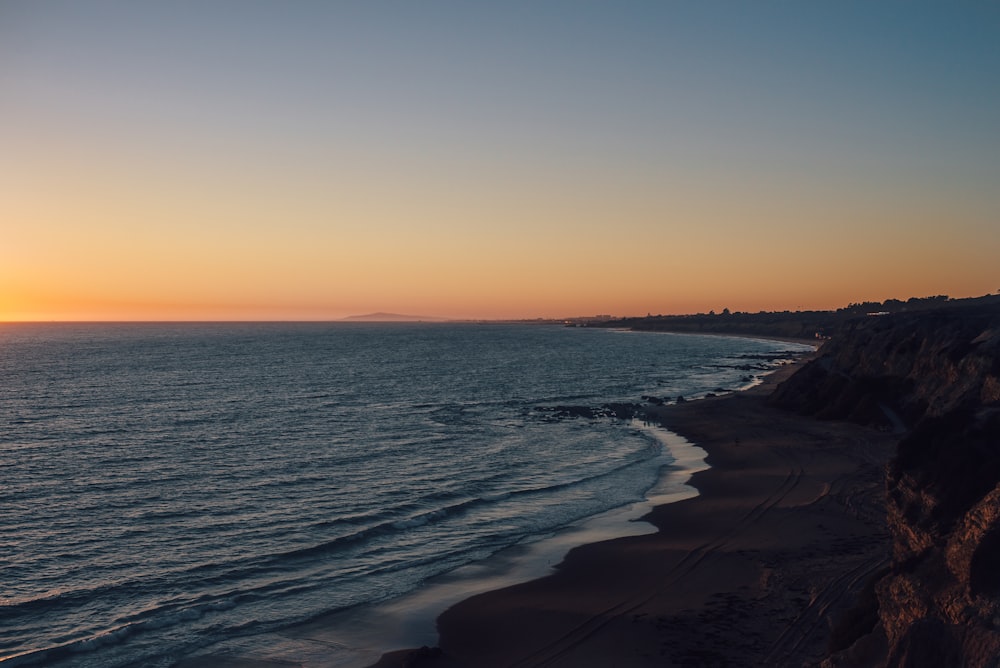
<point x="787" y="528"/>
<point x="351" y="638"/>
<point x="815" y="343"/>
<point x="357" y="638"/>
<point x="367" y="635"/>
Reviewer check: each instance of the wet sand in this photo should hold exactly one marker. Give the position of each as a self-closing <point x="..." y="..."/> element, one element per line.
<point x="756" y="570"/>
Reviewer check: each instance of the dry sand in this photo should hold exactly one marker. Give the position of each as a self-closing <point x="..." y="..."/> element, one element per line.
<point x="787" y="529"/>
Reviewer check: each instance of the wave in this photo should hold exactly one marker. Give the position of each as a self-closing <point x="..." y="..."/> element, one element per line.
<point x="117" y="634"/>
<point x="431" y="509"/>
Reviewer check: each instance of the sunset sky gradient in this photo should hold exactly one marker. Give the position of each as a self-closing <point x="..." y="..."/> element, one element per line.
<point x="244" y="160"/>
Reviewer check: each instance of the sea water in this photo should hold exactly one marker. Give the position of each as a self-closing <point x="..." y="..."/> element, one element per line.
<point x="167" y="488"/>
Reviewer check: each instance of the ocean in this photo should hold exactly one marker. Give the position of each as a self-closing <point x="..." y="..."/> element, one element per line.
<point x="171" y="491"/>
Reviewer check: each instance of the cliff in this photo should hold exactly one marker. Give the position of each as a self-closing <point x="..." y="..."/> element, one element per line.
<point x="935" y="378"/>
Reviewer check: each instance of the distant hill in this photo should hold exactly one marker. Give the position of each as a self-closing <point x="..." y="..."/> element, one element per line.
<point x="393" y="317"/>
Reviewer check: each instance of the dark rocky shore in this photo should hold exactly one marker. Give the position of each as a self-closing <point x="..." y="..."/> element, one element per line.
<point x="935" y="375"/>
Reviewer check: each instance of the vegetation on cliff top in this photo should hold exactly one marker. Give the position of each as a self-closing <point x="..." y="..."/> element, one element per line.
<point x="790" y="324"/>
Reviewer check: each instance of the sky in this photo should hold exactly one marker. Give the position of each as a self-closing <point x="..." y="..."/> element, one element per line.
<point x="306" y="160"/>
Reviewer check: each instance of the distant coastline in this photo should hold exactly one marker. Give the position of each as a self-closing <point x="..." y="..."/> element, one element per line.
<point x="798" y="326"/>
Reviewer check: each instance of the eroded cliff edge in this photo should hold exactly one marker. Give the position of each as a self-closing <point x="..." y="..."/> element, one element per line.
<point x="935" y="378"/>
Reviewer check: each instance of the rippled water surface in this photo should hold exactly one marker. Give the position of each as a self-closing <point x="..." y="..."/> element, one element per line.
<point x="168" y="486"/>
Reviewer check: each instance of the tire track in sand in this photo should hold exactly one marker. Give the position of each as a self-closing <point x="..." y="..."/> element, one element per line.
<point x="558" y="648"/>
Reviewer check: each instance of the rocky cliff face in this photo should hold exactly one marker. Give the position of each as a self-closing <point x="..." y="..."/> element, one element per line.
<point x="935" y="375"/>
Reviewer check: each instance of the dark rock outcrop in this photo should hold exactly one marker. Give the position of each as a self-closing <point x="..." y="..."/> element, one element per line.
<point x="936" y="376"/>
<point x="622" y="411"/>
<point x="917" y="365"/>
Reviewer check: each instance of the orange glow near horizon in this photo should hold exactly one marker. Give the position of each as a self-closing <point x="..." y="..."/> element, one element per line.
<point x="87" y="258"/>
<point x="475" y="300"/>
<point x="241" y="259"/>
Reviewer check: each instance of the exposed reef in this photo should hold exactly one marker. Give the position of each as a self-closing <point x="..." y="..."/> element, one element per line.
<point x="622" y="411"/>
<point x="934" y="377"/>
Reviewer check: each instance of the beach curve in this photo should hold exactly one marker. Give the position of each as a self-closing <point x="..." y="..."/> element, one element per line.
<point x="787" y="529"/>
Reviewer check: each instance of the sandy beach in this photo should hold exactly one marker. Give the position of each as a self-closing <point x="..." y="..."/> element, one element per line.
<point x="762" y="568"/>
